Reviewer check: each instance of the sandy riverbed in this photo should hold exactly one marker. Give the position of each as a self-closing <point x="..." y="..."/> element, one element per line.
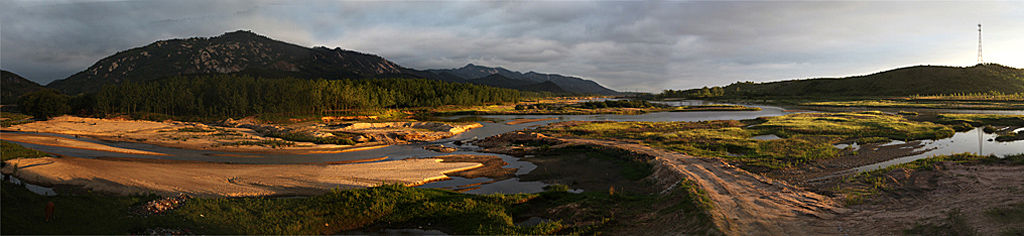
<point x="189" y="135"/>
<point x="126" y="176"/>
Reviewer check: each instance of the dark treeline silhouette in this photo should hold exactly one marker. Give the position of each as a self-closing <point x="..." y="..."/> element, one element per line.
<point x="236" y="96"/>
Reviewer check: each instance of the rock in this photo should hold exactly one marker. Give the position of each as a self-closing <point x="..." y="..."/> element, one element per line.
<point x="360" y="139"/>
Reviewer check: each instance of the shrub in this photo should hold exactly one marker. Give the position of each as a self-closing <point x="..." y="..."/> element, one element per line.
<point x="45" y="103"/>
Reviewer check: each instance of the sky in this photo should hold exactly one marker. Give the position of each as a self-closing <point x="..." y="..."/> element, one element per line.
<point x="642" y="46"/>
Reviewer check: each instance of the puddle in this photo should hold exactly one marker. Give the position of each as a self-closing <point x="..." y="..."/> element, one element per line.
<point x="766" y="137"/>
<point x="974" y="141"/>
<point x="31" y="187"/>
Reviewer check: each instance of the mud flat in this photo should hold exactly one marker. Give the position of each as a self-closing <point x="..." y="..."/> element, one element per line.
<point x="127" y="176"/>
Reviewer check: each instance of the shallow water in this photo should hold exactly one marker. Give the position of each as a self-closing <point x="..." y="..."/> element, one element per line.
<point x="974" y="141"/>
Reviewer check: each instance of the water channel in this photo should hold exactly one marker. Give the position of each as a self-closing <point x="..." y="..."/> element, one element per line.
<point x="973" y="141"/>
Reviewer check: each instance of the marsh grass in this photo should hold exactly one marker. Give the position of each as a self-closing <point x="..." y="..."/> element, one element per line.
<point x="805" y="136"/>
<point x="978" y="120"/>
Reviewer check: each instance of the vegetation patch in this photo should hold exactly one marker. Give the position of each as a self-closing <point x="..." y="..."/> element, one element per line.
<point x="14" y="151"/>
<point x="804" y="137"/>
<point x="978" y="120"/>
<point x="7" y="119"/>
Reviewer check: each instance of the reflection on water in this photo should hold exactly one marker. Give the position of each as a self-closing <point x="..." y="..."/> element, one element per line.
<point x="766" y="137"/>
<point x="974" y="141"/>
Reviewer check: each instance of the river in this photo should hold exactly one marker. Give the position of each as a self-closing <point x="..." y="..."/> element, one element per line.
<point x="972" y="141"/>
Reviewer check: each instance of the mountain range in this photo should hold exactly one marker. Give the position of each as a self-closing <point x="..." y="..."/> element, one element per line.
<point x="501" y="77"/>
<point x="14" y="86"/>
<point x="247" y="53"/>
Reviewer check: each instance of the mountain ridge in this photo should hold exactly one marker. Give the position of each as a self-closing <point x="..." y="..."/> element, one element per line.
<point x="474" y="72"/>
<point x="12" y="86"/>
<point x="247" y="53"/>
<point x="905" y="81"/>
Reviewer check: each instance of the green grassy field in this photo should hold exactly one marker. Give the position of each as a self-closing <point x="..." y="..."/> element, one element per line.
<point x="803" y="137"/>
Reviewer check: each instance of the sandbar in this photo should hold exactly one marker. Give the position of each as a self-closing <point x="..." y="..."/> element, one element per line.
<point x="130" y="176"/>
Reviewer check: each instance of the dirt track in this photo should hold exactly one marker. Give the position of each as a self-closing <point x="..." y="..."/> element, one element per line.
<point x="745" y="204"/>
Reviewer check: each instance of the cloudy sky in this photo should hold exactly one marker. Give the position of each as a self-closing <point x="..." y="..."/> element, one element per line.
<point x="624" y="45"/>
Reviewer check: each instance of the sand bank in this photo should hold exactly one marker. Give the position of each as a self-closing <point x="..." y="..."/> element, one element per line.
<point x="71" y="143"/>
<point x="126" y="176"/>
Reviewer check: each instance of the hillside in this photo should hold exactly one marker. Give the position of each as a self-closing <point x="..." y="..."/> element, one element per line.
<point x="249" y="54"/>
<point x="915" y="80"/>
<point x="510" y="79"/>
<point x="13" y="86"/>
<point x="239" y="52"/>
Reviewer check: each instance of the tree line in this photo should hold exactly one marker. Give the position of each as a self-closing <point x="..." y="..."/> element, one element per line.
<point x="239" y="95"/>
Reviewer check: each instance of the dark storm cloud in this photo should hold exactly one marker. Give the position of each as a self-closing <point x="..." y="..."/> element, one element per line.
<point x="624" y="45"/>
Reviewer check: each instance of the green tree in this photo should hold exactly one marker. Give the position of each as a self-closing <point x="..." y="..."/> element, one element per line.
<point x="45" y="103"/>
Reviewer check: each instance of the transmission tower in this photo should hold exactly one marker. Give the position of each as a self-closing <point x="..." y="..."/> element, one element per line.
<point x="979" y="45"/>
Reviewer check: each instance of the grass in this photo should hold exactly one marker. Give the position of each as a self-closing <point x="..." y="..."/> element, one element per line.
<point x="266" y="143"/>
<point x="805" y="136"/>
<point x="978" y="120"/>
<point x="594" y="213"/>
<point x="14" y="151"/>
<point x="331" y="213"/>
<point x="922" y="103"/>
<point x="860" y="124"/>
<point x="8" y="119"/>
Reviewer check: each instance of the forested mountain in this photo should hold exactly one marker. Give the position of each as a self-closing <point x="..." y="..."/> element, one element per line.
<point x="514" y="79"/>
<point x="238" y="95"/>
<point x="13" y="86"/>
<point x="250" y="54"/>
<point x="239" y="52"/>
<point x="915" y="80"/>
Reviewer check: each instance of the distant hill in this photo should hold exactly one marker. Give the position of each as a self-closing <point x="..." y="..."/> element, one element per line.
<point x="480" y="74"/>
<point x="915" y="80"/>
<point x="241" y="52"/>
<point x="13" y="86"/>
<point x="500" y="81"/>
